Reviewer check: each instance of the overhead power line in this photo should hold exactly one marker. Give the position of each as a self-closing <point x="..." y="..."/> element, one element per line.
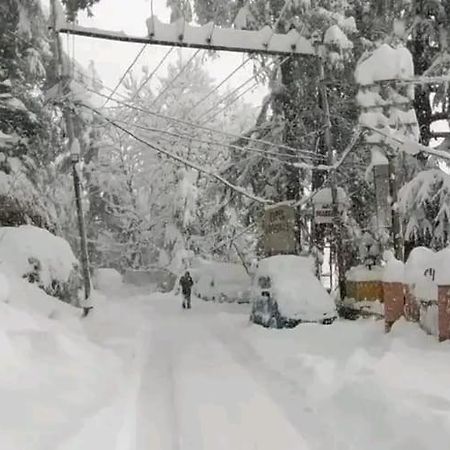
<point x="129" y="68"/>
<point x="234" y="100"/>
<point x="202" y="127"/>
<point x="220" y="84"/>
<point x="230" y="94"/>
<point x="171" y="82"/>
<point x="303" y="152"/>
<point x="152" y="74"/>
<point x="183" y="161"/>
<point x="272" y="156"/>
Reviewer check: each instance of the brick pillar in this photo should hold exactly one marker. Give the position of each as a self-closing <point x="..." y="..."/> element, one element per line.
<point x="394" y="303"/>
<point x="412" y="308"/>
<point x="444" y="312"/>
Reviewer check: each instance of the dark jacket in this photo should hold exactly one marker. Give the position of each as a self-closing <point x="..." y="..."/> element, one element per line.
<point x="186" y="283"/>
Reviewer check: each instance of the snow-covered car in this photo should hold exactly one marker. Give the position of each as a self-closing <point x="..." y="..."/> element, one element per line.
<point x="221" y="282"/>
<point x="285" y="293"/>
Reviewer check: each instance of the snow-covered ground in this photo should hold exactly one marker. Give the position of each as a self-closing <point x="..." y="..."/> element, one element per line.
<point x="141" y="373"/>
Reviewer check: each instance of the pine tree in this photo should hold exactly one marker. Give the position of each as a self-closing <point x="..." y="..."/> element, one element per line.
<point x="29" y="124"/>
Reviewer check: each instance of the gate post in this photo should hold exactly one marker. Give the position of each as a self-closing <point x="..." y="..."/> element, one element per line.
<point x="394" y="302"/>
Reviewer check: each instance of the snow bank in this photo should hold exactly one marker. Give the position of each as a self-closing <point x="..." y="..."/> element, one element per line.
<point x="107" y="280"/>
<point x="37" y="254"/>
<point x="221" y="281"/>
<point x="297" y="291"/>
<point x="52" y="378"/>
<point x="361" y="389"/>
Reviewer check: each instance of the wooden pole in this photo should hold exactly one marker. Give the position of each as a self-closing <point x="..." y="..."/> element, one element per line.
<point x="73" y="146"/>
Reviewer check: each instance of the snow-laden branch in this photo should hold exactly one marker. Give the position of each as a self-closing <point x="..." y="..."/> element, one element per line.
<point x="183" y="161"/>
<point x="409" y="146"/>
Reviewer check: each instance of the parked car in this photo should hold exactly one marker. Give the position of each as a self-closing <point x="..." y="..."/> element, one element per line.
<point x="221" y="282"/>
<point x="285" y="293"/>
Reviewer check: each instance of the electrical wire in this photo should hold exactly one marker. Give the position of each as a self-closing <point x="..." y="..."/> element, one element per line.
<point x="249" y="89"/>
<point x="183" y="161"/>
<point x="182" y="70"/>
<point x="302" y="152"/>
<point x="220" y="84"/>
<point x="235" y="90"/>
<point x="148" y="79"/>
<point x="202" y="127"/>
<point x="273" y="156"/>
<point x="130" y="67"/>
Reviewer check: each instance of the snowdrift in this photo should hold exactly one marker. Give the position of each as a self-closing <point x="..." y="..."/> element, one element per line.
<point x="51" y="376"/>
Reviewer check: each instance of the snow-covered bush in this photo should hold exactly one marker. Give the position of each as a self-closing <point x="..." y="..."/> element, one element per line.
<point x="42" y="258"/>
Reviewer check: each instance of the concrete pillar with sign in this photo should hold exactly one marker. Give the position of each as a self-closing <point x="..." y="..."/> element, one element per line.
<point x="279" y="226"/>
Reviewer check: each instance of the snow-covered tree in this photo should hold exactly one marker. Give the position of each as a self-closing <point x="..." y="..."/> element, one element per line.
<point x="29" y="138"/>
<point x="161" y="211"/>
<point x="424" y="202"/>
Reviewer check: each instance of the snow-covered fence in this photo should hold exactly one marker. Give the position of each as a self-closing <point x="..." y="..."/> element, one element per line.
<point x="420" y="291"/>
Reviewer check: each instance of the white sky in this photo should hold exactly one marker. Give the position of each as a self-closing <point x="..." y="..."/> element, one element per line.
<point x="112" y="58"/>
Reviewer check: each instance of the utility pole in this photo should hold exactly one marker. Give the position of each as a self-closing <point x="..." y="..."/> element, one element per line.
<point x="337" y="224"/>
<point x="74" y="149"/>
<point x="396" y="231"/>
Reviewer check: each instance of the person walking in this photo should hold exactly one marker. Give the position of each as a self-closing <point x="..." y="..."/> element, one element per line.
<point x="186" y="284"/>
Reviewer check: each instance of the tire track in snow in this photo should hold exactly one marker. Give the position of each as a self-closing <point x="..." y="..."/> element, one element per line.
<point x="288" y="395"/>
<point x="158" y="425"/>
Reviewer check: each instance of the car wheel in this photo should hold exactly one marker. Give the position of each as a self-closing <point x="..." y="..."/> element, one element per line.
<point x="328" y="321"/>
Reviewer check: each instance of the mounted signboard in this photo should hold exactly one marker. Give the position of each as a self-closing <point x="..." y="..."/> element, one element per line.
<point x="279" y="227"/>
<point x="323" y="205"/>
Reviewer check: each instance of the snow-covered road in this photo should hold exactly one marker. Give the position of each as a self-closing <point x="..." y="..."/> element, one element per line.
<point x="140" y="373"/>
<point x="195" y="394"/>
<point x="211" y="381"/>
